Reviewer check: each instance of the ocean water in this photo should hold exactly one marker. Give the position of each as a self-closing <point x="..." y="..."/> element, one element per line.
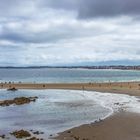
<point x="58" y="110"/>
<point x="65" y="75"/>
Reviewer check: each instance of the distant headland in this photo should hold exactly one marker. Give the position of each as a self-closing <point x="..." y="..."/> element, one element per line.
<point x="120" y="67"/>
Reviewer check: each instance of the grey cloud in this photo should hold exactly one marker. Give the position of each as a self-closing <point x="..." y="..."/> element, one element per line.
<point x="14" y="8"/>
<point x="83" y="8"/>
<point x="107" y="8"/>
<point x="55" y="33"/>
<point x="97" y="8"/>
<point x="29" y="37"/>
<point x="38" y="32"/>
<point x="64" y="4"/>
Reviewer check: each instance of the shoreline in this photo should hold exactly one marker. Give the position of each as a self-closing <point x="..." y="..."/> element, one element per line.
<point x="130" y="88"/>
<point x="118" y="126"/>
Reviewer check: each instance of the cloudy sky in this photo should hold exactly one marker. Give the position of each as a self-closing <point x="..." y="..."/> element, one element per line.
<point x="69" y="32"/>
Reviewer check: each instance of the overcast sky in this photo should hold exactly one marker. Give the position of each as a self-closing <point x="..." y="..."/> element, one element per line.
<point x="69" y="32"/>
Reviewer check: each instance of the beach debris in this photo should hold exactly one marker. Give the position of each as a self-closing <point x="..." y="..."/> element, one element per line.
<point x="21" y="134"/>
<point x="18" y="101"/>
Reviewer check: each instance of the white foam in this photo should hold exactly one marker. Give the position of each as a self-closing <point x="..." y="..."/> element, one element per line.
<point x="114" y="102"/>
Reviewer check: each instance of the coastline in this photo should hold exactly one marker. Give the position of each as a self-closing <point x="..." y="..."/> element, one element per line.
<point x="129" y="88"/>
<point x="119" y="126"/>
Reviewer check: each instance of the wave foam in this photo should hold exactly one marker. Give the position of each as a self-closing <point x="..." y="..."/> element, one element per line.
<point x="115" y="102"/>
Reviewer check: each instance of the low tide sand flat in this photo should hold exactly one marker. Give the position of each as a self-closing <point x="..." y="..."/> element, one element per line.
<point x="130" y="88"/>
<point x="121" y="126"/>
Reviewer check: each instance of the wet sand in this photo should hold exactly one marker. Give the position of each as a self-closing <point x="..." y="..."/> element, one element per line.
<point x="120" y="126"/>
<point x="130" y="88"/>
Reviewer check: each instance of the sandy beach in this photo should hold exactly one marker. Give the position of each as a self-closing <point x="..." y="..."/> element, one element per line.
<point x="119" y="126"/>
<point x="130" y="88"/>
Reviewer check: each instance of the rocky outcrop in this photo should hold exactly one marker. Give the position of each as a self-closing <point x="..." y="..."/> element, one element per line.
<point x="21" y="134"/>
<point x="18" y="101"/>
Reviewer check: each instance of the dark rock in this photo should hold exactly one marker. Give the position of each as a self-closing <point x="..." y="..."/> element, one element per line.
<point x="68" y="131"/>
<point x="76" y="138"/>
<point x="21" y="134"/>
<point x="33" y="138"/>
<point x="2" y="136"/>
<point x="12" y="89"/>
<point x="18" y="101"/>
<point x="38" y="133"/>
<point x="116" y="103"/>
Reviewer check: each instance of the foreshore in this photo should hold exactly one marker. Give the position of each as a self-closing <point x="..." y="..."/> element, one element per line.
<point x="119" y="126"/>
<point x="130" y="88"/>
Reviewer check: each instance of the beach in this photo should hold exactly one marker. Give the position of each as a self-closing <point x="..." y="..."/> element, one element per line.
<point x="69" y="70"/>
<point x="130" y="88"/>
<point x="121" y="125"/>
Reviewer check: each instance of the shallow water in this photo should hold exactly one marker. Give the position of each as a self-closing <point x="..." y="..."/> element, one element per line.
<point x="54" y="111"/>
<point x="58" y="110"/>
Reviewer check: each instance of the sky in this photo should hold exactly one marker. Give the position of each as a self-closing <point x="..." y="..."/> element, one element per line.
<point x="69" y="32"/>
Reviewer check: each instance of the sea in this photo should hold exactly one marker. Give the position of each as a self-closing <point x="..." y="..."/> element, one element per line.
<point x="58" y="110"/>
<point x="67" y="75"/>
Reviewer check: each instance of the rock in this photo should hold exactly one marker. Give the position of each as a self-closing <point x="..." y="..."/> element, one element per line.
<point x="21" y="100"/>
<point x="38" y="133"/>
<point x="76" y="138"/>
<point x="6" y="102"/>
<point x="12" y="89"/>
<point x="2" y="136"/>
<point x="21" y="134"/>
<point x="116" y="103"/>
<point x="33" y="138"/>
<point x="68" y="131"/>
<point x="18" y="101"/>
